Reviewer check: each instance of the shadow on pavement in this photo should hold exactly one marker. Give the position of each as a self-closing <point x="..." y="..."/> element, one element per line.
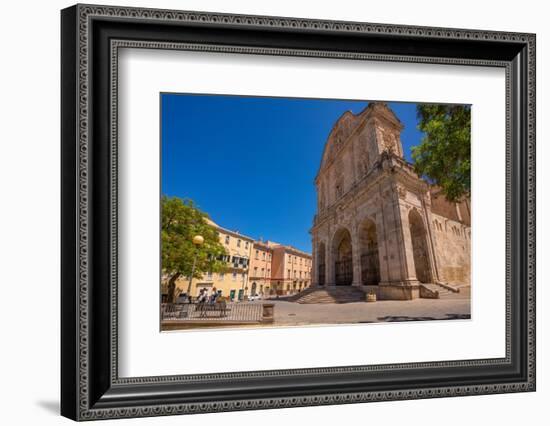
<point x="400" y="318"/>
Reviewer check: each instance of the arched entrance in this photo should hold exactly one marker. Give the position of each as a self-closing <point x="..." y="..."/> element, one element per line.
<point x="253" y="289"/>
<point x="343" y="265"/>
<point x="321" y="270"/>
<point x="370" y="263"/>
<point x="420" y="247"/>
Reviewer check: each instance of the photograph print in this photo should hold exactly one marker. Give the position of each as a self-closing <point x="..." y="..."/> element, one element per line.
<point x="280" y="212"/>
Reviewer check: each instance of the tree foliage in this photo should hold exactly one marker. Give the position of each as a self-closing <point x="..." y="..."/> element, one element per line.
<point x="180" y="222"/>
<point x="443" y="155"/>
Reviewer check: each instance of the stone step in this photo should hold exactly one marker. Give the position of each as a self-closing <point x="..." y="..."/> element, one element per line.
<point x="436" y="288"/>
<point x="346" y="294"/>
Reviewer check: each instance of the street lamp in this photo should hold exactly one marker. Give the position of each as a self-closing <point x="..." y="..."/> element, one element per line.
<point x="198" y="240"/>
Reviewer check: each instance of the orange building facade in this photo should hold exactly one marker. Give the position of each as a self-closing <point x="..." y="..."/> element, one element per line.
<point x="291" y="270"/>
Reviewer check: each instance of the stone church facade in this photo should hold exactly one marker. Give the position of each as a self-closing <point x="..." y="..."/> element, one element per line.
<point x="379" y="226"/>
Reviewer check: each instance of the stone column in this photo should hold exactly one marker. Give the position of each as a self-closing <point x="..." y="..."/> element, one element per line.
<point x="382" y="242"/>
<point x="356" y="257"/>
<point x="396" y="256"/>
<point x="409" y="271"/>
<point x="314" y="263"/>
<point x="400" y="282"/>
<point x="434" y="261"/>
<point x="330" y="278"/>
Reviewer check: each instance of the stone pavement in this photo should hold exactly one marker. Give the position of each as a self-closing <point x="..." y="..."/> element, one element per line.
<point x="453" y="306"/>
<point x="456" y="306"/>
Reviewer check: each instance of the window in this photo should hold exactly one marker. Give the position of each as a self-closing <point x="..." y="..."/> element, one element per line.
<point x="295" y="273"/>
<point x="268" y="272"/>
<point x="239" y="262"/>
<point x="221" y="275"/>
<point x="263" y="272"/>
<point x="243" y="276"/>
<point x="234" y="276"/>
<point x="238" y="243"/>
<point x="263" y="255"/>
<point x="257" y="254"/>
<point x="255" y="271"/>
<point x="227" y="239"/>
<point x="289" y="273"/>
<point x="209" y="275"/>
<point x="246" y="245"/>
<point x="338" y="190"/>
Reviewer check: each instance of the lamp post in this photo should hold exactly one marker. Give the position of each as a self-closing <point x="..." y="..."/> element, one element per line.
<point x="198" y="240"/>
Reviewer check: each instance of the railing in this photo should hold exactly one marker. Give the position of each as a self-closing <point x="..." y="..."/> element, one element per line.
<point x="344" y="272"/>
<point x="217" y="312"/>
<point x="321" y="278"/>
<point x="370" y="271"/>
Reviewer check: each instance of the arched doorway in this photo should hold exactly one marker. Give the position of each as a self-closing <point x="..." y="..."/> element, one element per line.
<point x="321" y="270"/>
<point x="253" y="289"/>
<point x="420" y="247"/>
<point x="370" y="263"/>
<point x="343" y="265"/>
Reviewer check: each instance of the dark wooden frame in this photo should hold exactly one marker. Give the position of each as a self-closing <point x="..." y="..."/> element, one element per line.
<point x="90" y="386"/>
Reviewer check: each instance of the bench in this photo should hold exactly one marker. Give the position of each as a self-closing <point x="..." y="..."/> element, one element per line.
<point x="205" y="307"/>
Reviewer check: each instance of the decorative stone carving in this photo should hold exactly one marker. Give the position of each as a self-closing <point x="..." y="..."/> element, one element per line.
<point x="389" y="143"/>
<point x="401" y="191"/>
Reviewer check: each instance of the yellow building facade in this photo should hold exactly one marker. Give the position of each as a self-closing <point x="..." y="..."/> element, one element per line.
<point x="260" y="269"/>
<point x="253" y="269"/>
<point x="233" y="283"/>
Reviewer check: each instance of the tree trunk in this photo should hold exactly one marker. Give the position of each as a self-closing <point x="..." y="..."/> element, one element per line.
<point x="172" y="287"/>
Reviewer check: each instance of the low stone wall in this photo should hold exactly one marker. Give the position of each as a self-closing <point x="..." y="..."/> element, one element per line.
<point x="398" y="292"/>
<point x="426" y="293"/>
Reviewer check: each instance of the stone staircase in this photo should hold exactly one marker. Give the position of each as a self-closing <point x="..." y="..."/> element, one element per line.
<point x="329" y="294"/>
<point x="443" y="293"/>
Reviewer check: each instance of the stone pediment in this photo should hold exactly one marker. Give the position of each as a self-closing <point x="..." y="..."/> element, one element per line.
<point x="340" y="133"/>
<point x="349" y="123"/>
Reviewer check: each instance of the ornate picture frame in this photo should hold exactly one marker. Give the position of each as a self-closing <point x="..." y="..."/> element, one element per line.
<point x="91" y="37"/>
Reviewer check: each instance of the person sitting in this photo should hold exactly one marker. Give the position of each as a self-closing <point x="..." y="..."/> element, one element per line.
<point x="201" y="302"/>
<point x="213" y="297"/>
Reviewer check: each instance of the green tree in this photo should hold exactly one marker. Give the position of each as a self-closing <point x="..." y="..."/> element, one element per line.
<point x="443" y="155"/>
<point x="181" y="221"/>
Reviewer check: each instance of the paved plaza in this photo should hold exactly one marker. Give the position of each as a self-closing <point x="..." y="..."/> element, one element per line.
<point x="454" y="307"/>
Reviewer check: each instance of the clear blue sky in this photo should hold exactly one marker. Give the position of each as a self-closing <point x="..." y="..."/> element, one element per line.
<point x="250" y="162"/>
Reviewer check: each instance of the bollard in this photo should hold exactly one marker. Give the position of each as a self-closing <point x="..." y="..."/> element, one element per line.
<point x="371" y="297"/>
<point x="268" y="311"/>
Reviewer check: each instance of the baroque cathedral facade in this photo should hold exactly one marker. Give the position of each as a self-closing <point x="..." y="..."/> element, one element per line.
<point x="379" y="226"/>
